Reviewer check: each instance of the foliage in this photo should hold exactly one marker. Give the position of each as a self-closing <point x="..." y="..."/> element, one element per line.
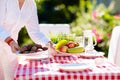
<point x="57" y="37"/>
<point x="99" y="20"/>
<point x="23" y="38"/>
<point x="56" y="11"/>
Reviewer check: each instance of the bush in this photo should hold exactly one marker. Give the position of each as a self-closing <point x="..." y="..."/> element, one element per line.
<point x="100" y="21"/>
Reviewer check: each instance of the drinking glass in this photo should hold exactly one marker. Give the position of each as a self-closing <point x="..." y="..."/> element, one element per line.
<point x="89" y="40"/>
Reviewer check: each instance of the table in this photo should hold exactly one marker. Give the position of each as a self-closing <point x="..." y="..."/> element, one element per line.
<point x="47" y="70"/>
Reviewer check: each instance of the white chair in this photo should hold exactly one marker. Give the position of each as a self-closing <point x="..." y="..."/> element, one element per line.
<point x="54" y="28"/>
<point x="114" y="47"/>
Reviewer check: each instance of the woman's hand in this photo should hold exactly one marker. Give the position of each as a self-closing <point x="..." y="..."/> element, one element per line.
<point x="51" y="49"/>
<point x="14" y="46"/>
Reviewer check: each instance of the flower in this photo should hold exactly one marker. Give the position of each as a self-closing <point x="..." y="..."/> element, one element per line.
<point x="117" y="16"/>
<point x="98" y="36"/>
<point x="109" y="35"/>
<point x="94" y="15"/>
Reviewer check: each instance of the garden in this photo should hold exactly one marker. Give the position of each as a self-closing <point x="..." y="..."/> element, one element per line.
<point x="80" y="15"/>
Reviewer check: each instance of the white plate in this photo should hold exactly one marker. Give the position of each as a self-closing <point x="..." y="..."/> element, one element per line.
<point x="67" y="54"/>
<point x="92" y="54"/>
<point x="63" y="54"/>
<point x="35" y="56"/>
<point x="74" y="67"/>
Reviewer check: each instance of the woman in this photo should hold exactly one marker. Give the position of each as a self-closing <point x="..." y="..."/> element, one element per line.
<point x="14" y="14"/>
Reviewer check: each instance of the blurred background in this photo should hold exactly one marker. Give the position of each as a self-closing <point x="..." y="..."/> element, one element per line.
<point x="99" y="15"/>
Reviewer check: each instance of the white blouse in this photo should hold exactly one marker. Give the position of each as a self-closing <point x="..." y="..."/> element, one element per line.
<point x="12" y="19"/>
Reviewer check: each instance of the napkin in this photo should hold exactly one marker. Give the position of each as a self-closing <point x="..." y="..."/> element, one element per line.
<point x="114" y="47"/>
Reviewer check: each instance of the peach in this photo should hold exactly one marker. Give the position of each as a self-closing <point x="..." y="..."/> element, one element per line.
<point x="63" y="49"/>
<point x="71" y="44"/>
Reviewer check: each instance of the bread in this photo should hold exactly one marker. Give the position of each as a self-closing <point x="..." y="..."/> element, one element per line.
<point x="32" y="48"/>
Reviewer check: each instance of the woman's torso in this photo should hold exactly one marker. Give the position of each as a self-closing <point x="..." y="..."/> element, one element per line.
<point x="15" y="18"/>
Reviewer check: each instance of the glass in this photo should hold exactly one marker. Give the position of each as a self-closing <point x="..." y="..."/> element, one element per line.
<point x="89" y="40"/>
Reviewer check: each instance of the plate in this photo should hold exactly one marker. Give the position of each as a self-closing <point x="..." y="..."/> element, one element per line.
<point x="92" y="54"/>
<point x="35" y="56"/>
<point x="67" y="54"/>
<point x="63" y="54"/>
<point x="74" y="67"/>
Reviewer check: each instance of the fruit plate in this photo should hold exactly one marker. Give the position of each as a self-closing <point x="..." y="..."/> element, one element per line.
<point x="73" y="67"/>
<point x="92" y="54"/>
<point x="71" y="51"/>
<point x="35" y="56"/>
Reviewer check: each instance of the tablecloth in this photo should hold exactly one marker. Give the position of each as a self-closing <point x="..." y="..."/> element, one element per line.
<point x="47" y="70"/>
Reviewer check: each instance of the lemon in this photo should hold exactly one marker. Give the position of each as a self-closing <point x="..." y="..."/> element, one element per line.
<point x="60" y="43"/>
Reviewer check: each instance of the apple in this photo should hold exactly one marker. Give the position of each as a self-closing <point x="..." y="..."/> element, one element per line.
<point x="71" y="44"/>
<point x="63" y="49"/>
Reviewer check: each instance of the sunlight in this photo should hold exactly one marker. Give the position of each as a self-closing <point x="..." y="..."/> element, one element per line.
<point x="22" y="60"/>
<point x="49" y="72"/>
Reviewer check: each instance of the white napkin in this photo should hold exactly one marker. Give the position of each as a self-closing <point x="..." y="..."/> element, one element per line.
<point x="8" y="63"/>
<point x="114" y="47"/>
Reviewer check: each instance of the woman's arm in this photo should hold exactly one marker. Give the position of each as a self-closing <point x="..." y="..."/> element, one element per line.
<point x="3" y="34"/>
<point x="35" y="34"/>
<point x="33" y="28"/>
<point x="5" y="37"/>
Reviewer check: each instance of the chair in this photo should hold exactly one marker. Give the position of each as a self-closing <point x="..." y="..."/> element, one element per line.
<point x="114" y="47"/>
<point x="54" y="28"/>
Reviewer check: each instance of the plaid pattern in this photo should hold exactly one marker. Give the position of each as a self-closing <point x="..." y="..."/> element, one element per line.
<point x="46" y="70"/>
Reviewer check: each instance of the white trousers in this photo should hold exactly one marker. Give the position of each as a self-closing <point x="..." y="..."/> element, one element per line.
<point x="8" y="62"/>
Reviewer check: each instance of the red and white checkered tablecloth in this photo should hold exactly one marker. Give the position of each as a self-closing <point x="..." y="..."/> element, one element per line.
<point x="47" y="70"/>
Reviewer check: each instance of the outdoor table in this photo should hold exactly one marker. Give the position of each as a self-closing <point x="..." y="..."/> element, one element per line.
<point x="46" y="69"/>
